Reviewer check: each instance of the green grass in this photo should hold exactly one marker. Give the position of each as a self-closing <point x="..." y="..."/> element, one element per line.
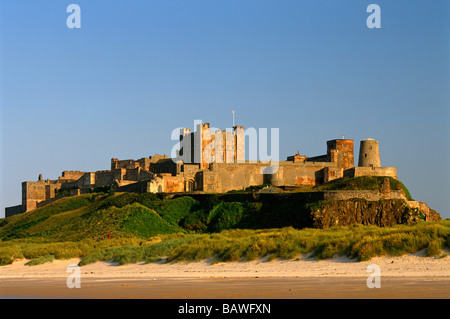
<point x="40" y="260"/>
<point x="131" y="254"/>
<point x="19" y="226"/>
<point x="360" y="242"/>
<point x="94" y="216"/>
<point x="129" y="227"/>
<point x="174" y="210"/>
<point x="32" y="248"/>
<point x="357" y="241"/>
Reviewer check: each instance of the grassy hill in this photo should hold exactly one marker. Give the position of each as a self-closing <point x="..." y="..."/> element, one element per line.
<point x="98" y="216"/>
<point x="129" y="227"/>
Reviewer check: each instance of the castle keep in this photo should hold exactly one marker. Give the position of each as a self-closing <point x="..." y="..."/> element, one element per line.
<point x="208" y="161"/>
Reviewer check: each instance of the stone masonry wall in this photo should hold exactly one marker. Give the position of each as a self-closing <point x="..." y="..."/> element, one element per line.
<point x="13" y="210"/>
<point x="225" y="177"/>
<point x="370" y="195"/>
<point x="371" y="171"/>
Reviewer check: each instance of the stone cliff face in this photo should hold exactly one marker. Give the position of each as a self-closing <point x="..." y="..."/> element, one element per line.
<point x="380" y="213"/>
<point x="430" y="214"/>
<point x="323" y="209"/>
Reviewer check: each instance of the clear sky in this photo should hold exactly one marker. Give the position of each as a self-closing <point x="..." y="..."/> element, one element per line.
<point x="71" y="99"/>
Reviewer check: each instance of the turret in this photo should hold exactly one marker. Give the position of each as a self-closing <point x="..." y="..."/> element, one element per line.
<point x="369" y="154"/>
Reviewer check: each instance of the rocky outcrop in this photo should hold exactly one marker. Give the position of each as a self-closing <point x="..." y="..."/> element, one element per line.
<point x="430" y="214"/>
<point x="266" y="208"/>
<point x="386" y="206"/>
<point x="360" y="211"/>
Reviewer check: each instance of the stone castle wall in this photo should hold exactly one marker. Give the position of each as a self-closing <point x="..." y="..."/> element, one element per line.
<point x="71" y="175"/>
<point x="13" y="210"/>
<point x="223" y="177"/>
<point x="371" y="171"/>
<point x="370" y="195"/>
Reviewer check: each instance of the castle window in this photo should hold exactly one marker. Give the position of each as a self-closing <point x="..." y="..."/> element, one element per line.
<point x="365" y="155"/>
<point x="345" y="153"/>
<point x="211" y="178"/>
<point x="344" y="145"/>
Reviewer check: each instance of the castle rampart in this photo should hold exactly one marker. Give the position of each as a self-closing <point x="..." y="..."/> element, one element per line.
<point x="370" y="195"/>
<point x="371" y="171"/>
<point x="71" y="175"/>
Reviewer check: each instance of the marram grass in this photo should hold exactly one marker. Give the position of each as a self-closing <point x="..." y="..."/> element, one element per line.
<point x="40" y="260"/>
<point x="357" y="241"/>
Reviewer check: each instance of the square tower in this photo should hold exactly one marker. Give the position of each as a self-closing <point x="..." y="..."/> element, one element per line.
<point x="340" y="151"/>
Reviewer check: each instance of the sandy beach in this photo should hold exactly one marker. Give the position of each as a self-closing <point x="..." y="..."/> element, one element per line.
<point x="408" y="276"/>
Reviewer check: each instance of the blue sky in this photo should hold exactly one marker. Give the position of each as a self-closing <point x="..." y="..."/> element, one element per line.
<point x="71" y="99"/>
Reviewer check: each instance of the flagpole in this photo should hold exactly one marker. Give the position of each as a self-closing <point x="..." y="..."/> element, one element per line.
<point x="233" y="118"/>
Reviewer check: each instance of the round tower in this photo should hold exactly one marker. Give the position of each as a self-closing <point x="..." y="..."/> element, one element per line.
<point x="369" y="154"/>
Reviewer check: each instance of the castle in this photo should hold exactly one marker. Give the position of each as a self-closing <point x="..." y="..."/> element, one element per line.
<point x="208" y="161"/>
